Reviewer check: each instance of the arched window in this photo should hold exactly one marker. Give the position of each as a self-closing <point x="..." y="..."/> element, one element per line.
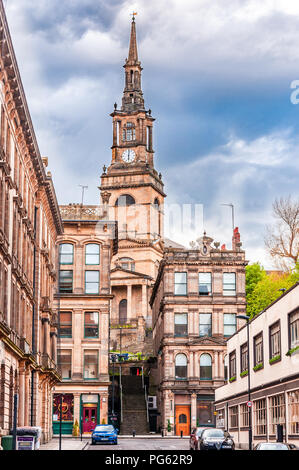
<point x="66" y="253"/>
<point x="123" y="311"/>
<point x="125" y="200"/>
<point x="127" y="263"/>
<point x="92" y="254"/>
<point x="205" y="367"/>
<point x="129" y="133"/>
<point x="181" y="366"/>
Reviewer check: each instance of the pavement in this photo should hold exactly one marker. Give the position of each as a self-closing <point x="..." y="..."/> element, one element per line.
<point x="67" y="443"/>
<point x="145" y="443"/>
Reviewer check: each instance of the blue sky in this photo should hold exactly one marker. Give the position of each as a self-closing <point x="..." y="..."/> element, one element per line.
<point x="216" y="75"/>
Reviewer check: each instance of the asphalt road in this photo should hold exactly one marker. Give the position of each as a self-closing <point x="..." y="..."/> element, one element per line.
<point x="144" y="444"/>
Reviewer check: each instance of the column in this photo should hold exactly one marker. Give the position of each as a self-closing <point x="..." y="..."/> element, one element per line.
<point x="193" y="410"/>
<point x="77" y="407"/>
<point x="77" y="365"/>
<point x="191" y="364"/>
<point x="129" y="301"/>
<point x="215" y="369"/>
<point x="144" y="301"/>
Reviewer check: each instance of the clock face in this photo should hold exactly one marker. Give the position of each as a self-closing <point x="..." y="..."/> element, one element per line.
<point x="128" y="156"/>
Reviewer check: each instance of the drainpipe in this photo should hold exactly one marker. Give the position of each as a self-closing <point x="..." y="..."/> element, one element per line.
<point x="33" y="319"/>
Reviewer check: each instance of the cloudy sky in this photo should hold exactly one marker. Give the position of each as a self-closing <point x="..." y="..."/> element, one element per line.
<point x="217" y="76"/>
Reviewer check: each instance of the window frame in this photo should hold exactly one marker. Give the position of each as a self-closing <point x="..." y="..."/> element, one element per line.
<point x="257" y="336"/>
<point x="230" y="374"/>
<point x="61" y="254"/>
<point x="72" y="277"/>
<point x="295" y="312"/>
<point x="67" y="324"/>
<point x="185" y="366"/>
<point x="181" y="284"/>
<point x="84" y="354"/>
<point x="201" y="367"/>
<point x="271" y="354"/>
<point x="210" y="284"/>
<point x="244" y="357"/>
<point x="229" y="324"/>
<point x="98" y="325"/>
<point x="225" y="284"/>
<point x="210" y="324"/>
<point x="92" y="254"/>
<point x="60" y="363"/>
<point x="91" y="282"/>
<point x="183" y="335"/>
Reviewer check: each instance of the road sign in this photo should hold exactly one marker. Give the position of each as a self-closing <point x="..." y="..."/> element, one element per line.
<point x="249" y="404"/>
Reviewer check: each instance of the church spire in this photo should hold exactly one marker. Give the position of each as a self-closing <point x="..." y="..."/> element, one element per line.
<point x="133" y="96"/>
<point x="133" y="54"/>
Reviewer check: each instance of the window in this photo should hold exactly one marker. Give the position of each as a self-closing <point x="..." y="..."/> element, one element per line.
<point x="274" y="343"/>
<point x="229" y="284"/>
<point x="92" y="254"/>
<point x="229" y="324"/>
<point x="258" y="349"/>
<point x="90" y="365"/>
<point x="65" y="325"/>
<point x="181" y="324"/>
<point x="205" y="283"/>
<point x="123" y="311"/>
<point x="125" y="200"/>
<point x="205" y="324"/>
<point x="293" y="400"/>
<point x="181" y="366"/>
<point x="91" y="325"/>
<point x="233" y="417"/>
<point x="232" y="364"/>
<point x="66" y="253"/>
<point x="205" y="367"/>
<point x="92" y="282"/>
<point x="65" y="282"/>
<point x="276" y="413"/>
<point x="127" y="263"/>
<point x="260" y="417"/>
<point x="180" y="283"/>
<point x="244" y="357"/>
<point x="226" y="367"/>
<point x="65" y="363"/>
<point x="294" y="329"/>
<point x="244" y="415"/>
<point x="129" y="132"/>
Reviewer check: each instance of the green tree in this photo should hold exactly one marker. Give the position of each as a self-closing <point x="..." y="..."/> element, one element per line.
<point x="254" y="274"/>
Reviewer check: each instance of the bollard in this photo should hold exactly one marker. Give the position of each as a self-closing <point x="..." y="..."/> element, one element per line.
<point x="181" y="434"/>
<point x="134" y="433"/>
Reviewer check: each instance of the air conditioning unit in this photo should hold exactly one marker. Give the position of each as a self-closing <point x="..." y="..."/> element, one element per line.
<point x="152" y="402"/>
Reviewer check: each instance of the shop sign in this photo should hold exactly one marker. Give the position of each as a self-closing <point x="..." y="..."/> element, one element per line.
<point x="25" y="442"/>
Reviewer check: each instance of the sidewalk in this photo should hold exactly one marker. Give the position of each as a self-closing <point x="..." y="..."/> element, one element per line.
<point x="66" y="444"/>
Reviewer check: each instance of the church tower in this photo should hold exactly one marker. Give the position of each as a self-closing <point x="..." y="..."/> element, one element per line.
<point x="132" y="193"/>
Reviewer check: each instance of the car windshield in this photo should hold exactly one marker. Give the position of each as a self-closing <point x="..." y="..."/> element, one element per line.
<point x="104" y="429"/>
<point x="199" y="431"/>
<point x="213" y="433"/>
<point x="273" y="446"/>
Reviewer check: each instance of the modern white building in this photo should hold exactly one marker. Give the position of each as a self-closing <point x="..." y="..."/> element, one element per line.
<point x="274" y="375"/>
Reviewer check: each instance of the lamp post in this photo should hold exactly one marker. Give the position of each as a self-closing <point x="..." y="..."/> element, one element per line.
<point x="245" y="317"/>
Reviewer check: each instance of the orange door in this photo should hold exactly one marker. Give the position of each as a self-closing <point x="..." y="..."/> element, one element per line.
<point x="182" y="420"/>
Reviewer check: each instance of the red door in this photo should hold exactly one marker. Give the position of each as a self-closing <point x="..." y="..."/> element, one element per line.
<point x="89" y="418"/>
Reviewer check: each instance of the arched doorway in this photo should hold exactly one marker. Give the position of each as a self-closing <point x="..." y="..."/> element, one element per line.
<point x="122" y="312"/>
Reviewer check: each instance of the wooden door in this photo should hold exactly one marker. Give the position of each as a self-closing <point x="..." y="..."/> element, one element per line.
<point x="89" y="418"/>
<point x="182" y="420"/>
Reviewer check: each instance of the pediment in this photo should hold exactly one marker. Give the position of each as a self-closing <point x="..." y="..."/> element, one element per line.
<point x="120" y="273"/>
<point x="207" y="340"/>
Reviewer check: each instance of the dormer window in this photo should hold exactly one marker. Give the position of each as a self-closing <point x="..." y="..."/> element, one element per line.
<point x="129" y="132"/>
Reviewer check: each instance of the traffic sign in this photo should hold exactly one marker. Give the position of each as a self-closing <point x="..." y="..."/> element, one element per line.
<point x="249" y="404"/>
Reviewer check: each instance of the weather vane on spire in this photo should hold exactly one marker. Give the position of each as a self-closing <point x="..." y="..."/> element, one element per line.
<point x="133" y="15"/>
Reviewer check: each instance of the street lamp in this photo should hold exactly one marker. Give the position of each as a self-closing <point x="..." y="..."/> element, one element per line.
<point x="245" y="317"/>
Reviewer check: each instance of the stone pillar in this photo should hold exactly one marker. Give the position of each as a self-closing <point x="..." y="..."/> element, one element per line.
<point x="129" y="301"/>
<point x="144" y="301"/>
<point x="215" y="370"/>
<point x="191" y="365"/>
<point x="77" y="407"/>
<point x="78" y="334"/>
<point x="193" y="410"/>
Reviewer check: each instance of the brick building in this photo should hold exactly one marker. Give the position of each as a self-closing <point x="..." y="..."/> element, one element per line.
<point x="29" y="225"/>
<point x="83" y="305"/>
<point x="195" y="300"/>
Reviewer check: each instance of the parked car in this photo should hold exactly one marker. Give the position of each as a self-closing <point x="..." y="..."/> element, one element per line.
<point x="215" y="439"/>
<point x="194" y="437"/>
<point x="104" y="433"/>
<point x="275" y="446"/>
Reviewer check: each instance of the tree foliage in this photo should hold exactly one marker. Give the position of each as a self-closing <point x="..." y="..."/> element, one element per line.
<point x="263" y="289"/>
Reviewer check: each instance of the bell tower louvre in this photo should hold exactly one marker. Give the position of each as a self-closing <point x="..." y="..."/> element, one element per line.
<point x="132" y="194"/>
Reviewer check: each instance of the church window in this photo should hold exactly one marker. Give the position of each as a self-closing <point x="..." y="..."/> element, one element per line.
<point x="125" y="200"/>
<point x="127" y="263"/>
<point x="123" y="311"/>
<point x="129" y="132"/>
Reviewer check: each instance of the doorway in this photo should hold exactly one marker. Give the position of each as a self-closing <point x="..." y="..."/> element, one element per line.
<point x="89" y="418"/>
<point x="182" y="420"/>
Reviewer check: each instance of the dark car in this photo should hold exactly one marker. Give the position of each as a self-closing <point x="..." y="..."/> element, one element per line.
<point x="215" y="439"/>
<point x="194" y="437"/>
<point x="104" y="433"/>
<point x="275" y="446"/>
